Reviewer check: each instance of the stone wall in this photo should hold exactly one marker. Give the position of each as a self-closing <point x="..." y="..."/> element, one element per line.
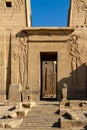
<point x="78" y="13"/>
<point x="71" y="59"/>
<point x="21" y="49"/>
<point x="12" y="13"/>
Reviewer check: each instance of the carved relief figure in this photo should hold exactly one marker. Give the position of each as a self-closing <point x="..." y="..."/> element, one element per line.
<point x="82" y="4"/>
<point x="21" y="58"/>
<point x="75" y="60"/>
<point x="75" y="52"/>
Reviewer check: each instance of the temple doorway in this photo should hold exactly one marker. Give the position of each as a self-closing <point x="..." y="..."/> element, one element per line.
<point x="48" y="76"/>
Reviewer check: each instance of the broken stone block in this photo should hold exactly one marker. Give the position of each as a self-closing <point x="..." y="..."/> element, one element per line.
<point x="2" y="124"/>
<point x="74" y="103"/>
<point x="67" y="116"/>
<point x="26" y="105"/>
<point x="78" y="123"/>
<point x="12" y="108"/>
<point x="4" y="117"/>
<point x="73" y="115"/>
<point x="64" y="103"/>
<point x="83" y="104"/>
<point x="18" y="105"/>
<point x="15" y="93"/>
<point x="12" y="115"/>
<point x="65" y="123"/>
<point x="32" y="103"/>
<point x="13" y="123"/>
<point x="22" y="112"/>
<point x="9" y="115"/>
<point x="62" y="111"/>
<point x="23" y="105"/>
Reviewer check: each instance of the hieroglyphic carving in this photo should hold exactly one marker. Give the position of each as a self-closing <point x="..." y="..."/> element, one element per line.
<point x="21" y="58"/>
<point x="75" y="53"/>
<point x="82" y="4"/>
<point x="2" y="5"/>
<point x="21" y="1"/>
<point x="17" y="5"/>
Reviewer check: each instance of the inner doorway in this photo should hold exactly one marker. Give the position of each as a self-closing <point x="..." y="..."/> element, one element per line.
<point x="48" y="76"/>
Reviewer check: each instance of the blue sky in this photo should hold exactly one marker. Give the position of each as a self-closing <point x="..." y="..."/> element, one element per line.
<point x="49" y="12"/>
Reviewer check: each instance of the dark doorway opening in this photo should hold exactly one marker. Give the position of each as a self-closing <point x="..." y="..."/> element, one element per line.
<point x="48" y="76"/>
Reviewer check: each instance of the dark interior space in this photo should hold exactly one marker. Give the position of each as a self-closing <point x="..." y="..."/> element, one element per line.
<point x="48" y="76"/>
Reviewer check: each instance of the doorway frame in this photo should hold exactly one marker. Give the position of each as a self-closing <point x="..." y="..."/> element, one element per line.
<point x="48" y="56"/>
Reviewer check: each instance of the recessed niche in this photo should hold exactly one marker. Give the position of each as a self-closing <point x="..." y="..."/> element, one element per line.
<point x="8" y="4"/>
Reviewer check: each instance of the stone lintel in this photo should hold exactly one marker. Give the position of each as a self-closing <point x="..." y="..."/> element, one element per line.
<point x="47" y="34"/>
<point x="49" y="30"/>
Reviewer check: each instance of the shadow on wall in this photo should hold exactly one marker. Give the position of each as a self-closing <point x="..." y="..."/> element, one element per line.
<point x="8" y="69"/>
<point x="76" y="83"/>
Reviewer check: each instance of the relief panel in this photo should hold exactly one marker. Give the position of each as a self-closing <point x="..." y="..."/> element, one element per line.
<point x="77" y="64"/>
<point x="82" y="7"/>
<point x="20" y="56"/>
<point x="17" y="4"/>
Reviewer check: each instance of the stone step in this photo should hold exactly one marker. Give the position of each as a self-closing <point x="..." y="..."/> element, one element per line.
<point x="46" y="107"/>
<point x="44" y="122"/>
<point x="43" y="128"/>
<point x="44" y="119"/>
<point x="34" y="114"/>
<point x="40" y="120"/>
<point x="36" y="125"/>
<point x="44" y="110"/>
<point x="41" y="112"/>
<point x="41" y="117"/>
<point x="46" y="128"/>
<point x="51" y="113"/>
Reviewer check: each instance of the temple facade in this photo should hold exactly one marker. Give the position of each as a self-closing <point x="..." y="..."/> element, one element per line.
<point x="36" y="62"/>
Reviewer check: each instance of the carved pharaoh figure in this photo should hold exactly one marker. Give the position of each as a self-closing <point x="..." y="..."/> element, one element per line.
<point x="75" y="60"/>
<point x="75" y="52"/>
<point x="21" y="58"/>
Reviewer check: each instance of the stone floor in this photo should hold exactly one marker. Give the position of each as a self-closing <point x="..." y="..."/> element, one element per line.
<point x="45" y="116"/>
